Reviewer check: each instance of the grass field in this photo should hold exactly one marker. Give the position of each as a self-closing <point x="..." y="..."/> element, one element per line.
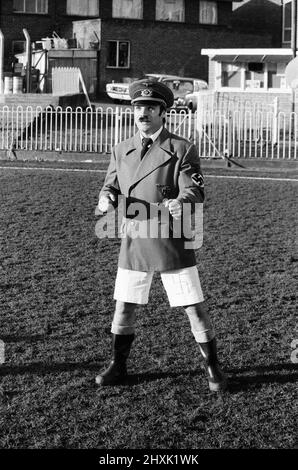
<point x="56" y="281"/>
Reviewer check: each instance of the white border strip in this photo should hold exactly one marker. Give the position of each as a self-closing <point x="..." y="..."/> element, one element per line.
<point x="66" y="170"/>
<point x="263" y="178"/>
<point x="77" y="170"/>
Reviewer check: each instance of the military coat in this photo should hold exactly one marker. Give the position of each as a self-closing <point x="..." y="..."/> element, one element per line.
<point x="170" y="168"/>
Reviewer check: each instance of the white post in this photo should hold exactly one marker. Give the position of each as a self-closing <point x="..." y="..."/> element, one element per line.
<point x="200" y="110"/>
<point x="84" y="87"/>
<point x="230" y="134"/>
<point x="190" y="128"/>
<point x="275" y="121"/>
<point x="117" y="124"/>
<point x="28" y="60"/>
<point x="1" y="62"/>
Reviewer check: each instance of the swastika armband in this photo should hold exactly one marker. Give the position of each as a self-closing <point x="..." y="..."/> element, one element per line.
<point x="198" y="179"/>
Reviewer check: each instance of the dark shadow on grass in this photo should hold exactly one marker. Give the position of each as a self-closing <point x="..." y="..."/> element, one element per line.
<point x="134" y="379"/>
<point x="239" y="379"/>
<point x="20" y="338"/>
<point x="272" y="367"/>
<point x="48" y="368"/>
<point x="261" y="375"/>
<point x="52" y="367"/>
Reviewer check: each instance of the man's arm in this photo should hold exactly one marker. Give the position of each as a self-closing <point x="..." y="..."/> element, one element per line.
<point x="191" y="183"/>
<point x="108" y="196"/>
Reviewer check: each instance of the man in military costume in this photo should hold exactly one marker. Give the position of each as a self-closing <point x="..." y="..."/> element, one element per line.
<point x="155" y="171"/>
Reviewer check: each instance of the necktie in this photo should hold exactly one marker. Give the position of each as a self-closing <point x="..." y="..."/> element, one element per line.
<point x="146" y="143"/>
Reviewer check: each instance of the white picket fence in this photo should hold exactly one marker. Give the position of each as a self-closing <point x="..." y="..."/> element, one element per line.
<point x="238" y="133"/>
<point x="65" y="80"/>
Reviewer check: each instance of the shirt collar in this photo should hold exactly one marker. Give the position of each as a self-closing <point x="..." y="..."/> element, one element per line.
<point x="153" y="136"/>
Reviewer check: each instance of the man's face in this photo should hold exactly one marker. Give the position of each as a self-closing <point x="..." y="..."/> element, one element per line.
<point x="148" y="117"/>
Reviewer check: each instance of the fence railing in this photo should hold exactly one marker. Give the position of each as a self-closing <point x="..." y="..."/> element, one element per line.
<point x="247" y="134"/>
<point x="240" y="133"/>
<point x="75" y="130"/>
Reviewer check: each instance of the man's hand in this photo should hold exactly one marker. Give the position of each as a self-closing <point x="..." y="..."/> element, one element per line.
<point x="175" y="208"/>
<point x="105" y="203"/>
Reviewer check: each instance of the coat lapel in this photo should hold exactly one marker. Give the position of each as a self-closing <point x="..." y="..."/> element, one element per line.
<point x="159" y="153"/>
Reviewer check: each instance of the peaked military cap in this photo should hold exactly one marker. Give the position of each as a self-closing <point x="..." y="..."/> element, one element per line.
<point x="151" y="90"/>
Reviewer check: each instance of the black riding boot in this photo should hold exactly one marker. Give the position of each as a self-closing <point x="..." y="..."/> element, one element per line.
<point x="216" y="378"/>
<point x="116" y="371"/>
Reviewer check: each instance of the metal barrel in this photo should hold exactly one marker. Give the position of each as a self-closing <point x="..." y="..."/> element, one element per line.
<point x="17" y="86"/>
<point x="7" y="85"/>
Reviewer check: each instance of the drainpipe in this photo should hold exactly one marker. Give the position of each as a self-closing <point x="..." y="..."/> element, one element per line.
<point x="294" y="48"/>
<point x="294" y="27"/>
<point x="28" y="60"/>
<point x="1" y="62"/>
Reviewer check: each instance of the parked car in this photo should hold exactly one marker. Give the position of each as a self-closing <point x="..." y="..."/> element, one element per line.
<point x="181" y="86"/>
<point x="118" y="91"/>
<point x="191" y="99"/>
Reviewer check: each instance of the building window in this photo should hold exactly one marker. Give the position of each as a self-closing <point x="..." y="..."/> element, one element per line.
<point x="208" y="12"/>
<point x="180" y="87"/>
<point x="254" y="75"/>
<point x="132" y="9"/>
<point x="82" y="7"/>
<point x="287" y="22"/>
<point x="170" y="10"/>
<point x="118" y="55"/>
<point x="30" y="6"/>
<point x="276" y="75"/>
<point x="18" y="47"/>
<point x="231" y="75"/>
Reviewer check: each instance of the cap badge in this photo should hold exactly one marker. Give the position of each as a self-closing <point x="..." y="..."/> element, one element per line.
<point x="146" y="92"/>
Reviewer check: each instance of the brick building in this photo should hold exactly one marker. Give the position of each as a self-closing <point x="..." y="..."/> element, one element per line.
<point x="134" y="36"/>
<point x="39" y="17"/>
<point x="160" y="45"/>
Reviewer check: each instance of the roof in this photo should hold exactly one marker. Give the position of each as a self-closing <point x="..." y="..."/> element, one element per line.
<point x="249" y="55"/>
<point x="170" y="77"/>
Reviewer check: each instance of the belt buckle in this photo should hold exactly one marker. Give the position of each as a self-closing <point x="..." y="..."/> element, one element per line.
<point x="165" y="192"/>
